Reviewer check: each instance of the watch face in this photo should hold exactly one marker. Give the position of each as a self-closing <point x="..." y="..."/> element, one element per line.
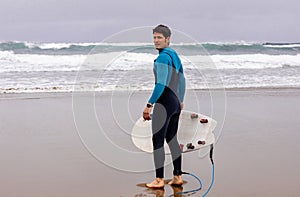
<point x="149" y="105"/>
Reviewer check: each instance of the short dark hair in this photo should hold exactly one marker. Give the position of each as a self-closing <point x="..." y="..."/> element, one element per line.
<point x="163" y="29"/>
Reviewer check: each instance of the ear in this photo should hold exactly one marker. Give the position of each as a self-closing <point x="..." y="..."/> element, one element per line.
<point x="168" y="40"/>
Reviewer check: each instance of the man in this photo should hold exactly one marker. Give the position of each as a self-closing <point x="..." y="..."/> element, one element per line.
<point x="168" y="95"/>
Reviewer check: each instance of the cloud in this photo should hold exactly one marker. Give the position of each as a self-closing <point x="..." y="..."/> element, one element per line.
<point x="215" y="20"/>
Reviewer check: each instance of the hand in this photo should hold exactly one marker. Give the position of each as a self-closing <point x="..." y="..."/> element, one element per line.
<point x="181" y="105"/>
<point x="146" y="113"/>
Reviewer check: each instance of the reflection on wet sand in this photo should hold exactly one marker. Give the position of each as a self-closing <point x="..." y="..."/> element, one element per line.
<point x="160" y="192"/>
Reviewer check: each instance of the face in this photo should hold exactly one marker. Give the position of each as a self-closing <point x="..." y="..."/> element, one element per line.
<point x="160" y="42"/>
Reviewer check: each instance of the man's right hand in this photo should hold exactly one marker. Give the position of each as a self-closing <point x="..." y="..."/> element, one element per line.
<point x="146" y="113"/>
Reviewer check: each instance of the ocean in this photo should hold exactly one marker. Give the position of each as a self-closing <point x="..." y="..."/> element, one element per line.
<point x="67" y="67"/>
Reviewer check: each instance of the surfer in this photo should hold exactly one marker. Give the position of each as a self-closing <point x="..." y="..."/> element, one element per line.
<point x="167" y="103"/>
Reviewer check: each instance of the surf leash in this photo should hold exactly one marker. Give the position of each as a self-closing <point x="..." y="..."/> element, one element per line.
<point x="198" y="179"/>
<point x="212" y="170"/>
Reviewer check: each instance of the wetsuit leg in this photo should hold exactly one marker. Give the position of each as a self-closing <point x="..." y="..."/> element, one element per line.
<point x="164" y="125"/>
<point x="160" y="123"/>
<point x="171" y="138"/>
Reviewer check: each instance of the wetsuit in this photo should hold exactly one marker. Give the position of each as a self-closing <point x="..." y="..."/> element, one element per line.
<point x="167" y="95"/>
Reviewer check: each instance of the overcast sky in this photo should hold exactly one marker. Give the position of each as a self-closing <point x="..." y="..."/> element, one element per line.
<point x="94" y="20"/>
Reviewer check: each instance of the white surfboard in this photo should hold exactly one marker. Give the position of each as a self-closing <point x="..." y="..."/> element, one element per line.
<point x="193" y="132"/>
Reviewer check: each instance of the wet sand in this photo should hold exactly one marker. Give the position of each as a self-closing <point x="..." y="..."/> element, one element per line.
<point x="43" y="155"/>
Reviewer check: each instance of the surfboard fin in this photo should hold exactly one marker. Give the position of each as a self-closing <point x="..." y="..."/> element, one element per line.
<point x="203" y="120"/>
<point x="201" y="142"/>
<point x="190" y="146"/>
<point x="194" y="116"/>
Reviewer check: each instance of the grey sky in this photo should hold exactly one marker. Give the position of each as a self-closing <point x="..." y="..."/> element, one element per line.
<point x="94" y="20"/>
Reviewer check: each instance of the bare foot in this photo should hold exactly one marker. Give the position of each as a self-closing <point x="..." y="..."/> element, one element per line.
<point x="157" y="183"/>
<point x="177" y="180"/>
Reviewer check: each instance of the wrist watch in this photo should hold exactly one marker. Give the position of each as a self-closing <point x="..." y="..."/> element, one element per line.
<point x="149" y="105"/>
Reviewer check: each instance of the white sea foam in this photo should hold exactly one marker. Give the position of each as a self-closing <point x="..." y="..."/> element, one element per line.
<point x="24" y="70"/>
<point x="47" y="45"/>
<point x="57" y="45"/>
<point x="137" y="44"/>
<point x="131" y="61"/>
<point x="245" y="61"/>
<point x="68" y="45"/>
<point x="11" y="62"/>
<point x="283" y="46"/>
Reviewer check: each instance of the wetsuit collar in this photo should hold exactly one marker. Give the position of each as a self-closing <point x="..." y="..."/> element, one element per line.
<point x="160" y="50"/>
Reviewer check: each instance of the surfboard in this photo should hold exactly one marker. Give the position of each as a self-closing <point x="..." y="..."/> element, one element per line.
<point x="195" y="131"/>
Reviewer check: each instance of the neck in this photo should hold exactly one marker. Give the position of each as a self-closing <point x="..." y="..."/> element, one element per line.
<point x="160" y="49"/>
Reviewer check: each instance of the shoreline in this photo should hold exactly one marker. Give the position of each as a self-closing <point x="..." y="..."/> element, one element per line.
<point x="107" y="92"/>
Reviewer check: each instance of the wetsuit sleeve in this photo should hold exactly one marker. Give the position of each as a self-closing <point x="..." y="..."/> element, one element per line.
<point x="181" y="87"/>
<point x="161" y="69"/>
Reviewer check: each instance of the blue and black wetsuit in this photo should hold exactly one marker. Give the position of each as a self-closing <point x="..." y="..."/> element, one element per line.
<point x="167" y="95"/>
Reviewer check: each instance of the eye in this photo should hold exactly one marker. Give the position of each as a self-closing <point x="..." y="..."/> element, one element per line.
<point x="157" y="37"/>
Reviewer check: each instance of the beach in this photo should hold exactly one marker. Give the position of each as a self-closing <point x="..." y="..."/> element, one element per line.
<point x="42" y="152"/>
